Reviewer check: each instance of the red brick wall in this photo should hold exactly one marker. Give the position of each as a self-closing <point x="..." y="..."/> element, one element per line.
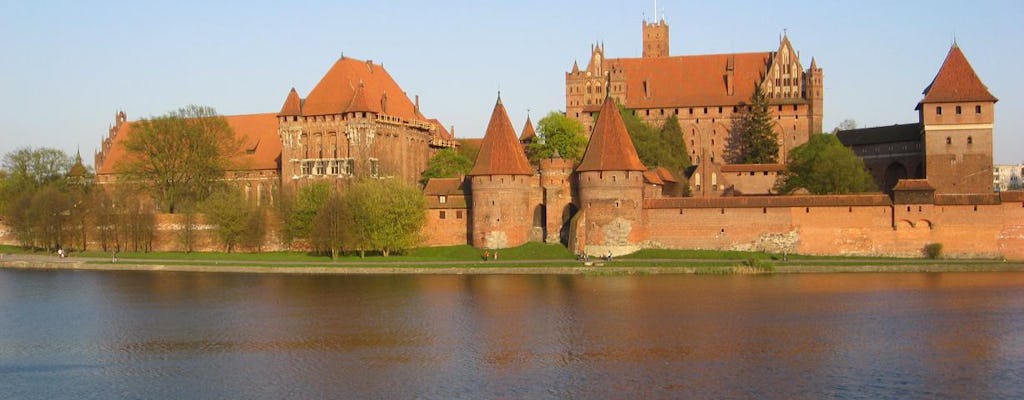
<point x="446" y="227"/>
<point x="502" y="214"/>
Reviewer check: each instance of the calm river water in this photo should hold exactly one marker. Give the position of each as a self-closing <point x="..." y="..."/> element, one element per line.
<point x="104" y="335"/>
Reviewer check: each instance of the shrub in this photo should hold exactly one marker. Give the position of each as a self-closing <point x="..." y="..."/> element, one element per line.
<point x="933" y="250"/>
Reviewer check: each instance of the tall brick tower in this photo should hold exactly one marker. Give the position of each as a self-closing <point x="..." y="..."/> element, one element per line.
<point x="556" y="184"/>
<point x="501" y="180"/>
<point x="957" y="113"/>
<point x="611" y="182"/>
<point x="655" y="38"/>
<point x="814" y="86"/>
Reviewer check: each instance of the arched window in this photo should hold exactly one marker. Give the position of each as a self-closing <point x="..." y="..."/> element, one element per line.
<point x="970" y="140"/>
<point x="949" y="140"/>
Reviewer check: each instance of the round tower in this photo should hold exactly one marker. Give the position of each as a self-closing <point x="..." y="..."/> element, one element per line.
<point x="500" y="182"/>
<point x="610" y="180"/>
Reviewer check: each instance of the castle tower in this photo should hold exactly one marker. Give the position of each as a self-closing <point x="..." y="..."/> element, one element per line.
<point x="556" y="184"/>
<point x="655" y="38"/>
<point x="501" y="180"/>
<point x="528" y="133"/>
<point x="814" y="88"/>
<point x="958" y="113"/>
<point x="611" y="182"/>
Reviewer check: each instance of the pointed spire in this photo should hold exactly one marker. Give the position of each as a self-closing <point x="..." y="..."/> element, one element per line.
<point x="528" y="132"/>
<point x="500" y="152"/>
<point x="575" y="67"/>
<point x="814" y="64"/>
<point x="292" y="105"/>
<point x="610" y="148"/>
<point x="956" y="81"/>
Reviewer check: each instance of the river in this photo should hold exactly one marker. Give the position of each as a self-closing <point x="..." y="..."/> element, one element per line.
<point x="104" y="335"/>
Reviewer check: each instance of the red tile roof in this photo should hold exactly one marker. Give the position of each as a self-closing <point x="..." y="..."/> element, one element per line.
<point x="353" y="85"/>
<point x="913" y="184"/>
<point x="292" y="105"/>
<point x="956" y="81"/>
<point x="261" y="147"/>
<point x="610" y="148"/>
<point x="665" y="175"/>
<point x="500" y="152"/>
<point x="697" y="80"/>
<point x="528" y="132"/>
<point x="444" y="186"/>
<point x="650" y="176"/>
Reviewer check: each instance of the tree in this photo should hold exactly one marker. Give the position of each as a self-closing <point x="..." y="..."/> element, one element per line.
<point x="230" y="214"/>
<point x="557" y="132"/>
<point x="329" y="226"/>
<point x="846" y="125"/>
<point x="447" y="163"/>
<point x="382" y="215"/>
<point x="180" y="157"/>
<point x="27" y="169"/>
<point x="824" y="166"/>
<point x="307" y="203"/>
<point x="752" y="139"/>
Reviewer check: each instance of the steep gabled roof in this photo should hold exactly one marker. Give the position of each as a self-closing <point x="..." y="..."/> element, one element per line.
<point x="956" y="81"/>
<point x="697" y="80"/>
<point x="528" y="132"/>
<point x="610" y="148"/>
<point x="354" y="85"/>
<point x="500" y="152"/>
<point x="292" y="105"/>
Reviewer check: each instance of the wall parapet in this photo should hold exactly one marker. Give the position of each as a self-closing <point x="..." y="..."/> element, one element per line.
<point x="874" y="199"/>
<point x="967" y="199"/>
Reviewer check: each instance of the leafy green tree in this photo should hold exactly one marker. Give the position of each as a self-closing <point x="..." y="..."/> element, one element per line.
<point x="231" y="215"/>
<point x="752" y="139"/>
<point x="824" y="166"/>
<point x="307" y="203"/>
<point x="28" y="169"/>
<point x="382" y="215"/>
<point x="181" y="156"/>
<point x="557" y="132"/>
<point x="447" y="163"/>
<point x="469" y="148"/>
<point x="330" y="230"/>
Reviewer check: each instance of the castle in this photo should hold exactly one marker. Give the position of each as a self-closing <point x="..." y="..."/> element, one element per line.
<point x="357" y="122"/>
<point x="706" y="93"/>
<point x="612" y="204"/>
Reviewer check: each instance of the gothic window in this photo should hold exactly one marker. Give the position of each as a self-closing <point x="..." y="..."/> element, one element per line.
<point x="335" y="167"/>
<point x="307" y="167"/>
<point x="347" y="166"/>
<point x="321" y="168"/>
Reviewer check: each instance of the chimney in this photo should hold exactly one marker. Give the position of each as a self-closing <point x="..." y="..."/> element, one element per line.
<point x="730" y="76"/>
<point x="417" y="103"/>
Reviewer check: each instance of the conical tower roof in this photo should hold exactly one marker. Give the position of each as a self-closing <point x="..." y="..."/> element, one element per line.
<point x="956" y="81"/>
<point x="528" y="132"/>
<point x="292" y="105"/>
<point x="610" y="148"/>
<point x="500" y="152"/>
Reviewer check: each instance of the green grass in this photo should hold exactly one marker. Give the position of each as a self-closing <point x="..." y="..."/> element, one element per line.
<point x="697" y="255"/>
<point x="529" y="251"/>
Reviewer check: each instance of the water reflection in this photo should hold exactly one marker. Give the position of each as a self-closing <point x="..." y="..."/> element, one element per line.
<point x="186" y="335"/>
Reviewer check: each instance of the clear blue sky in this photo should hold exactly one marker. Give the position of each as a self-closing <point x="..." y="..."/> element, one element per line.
<point x="67" y="66"/>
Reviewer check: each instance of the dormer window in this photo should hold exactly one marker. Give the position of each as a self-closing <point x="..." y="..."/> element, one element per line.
<point x="442" y="199"/>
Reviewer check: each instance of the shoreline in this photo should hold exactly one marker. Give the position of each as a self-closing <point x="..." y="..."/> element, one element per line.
<point x="616" y="267"/>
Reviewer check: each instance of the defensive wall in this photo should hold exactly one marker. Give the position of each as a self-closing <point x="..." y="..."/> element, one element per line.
<point x="989" y="226"/>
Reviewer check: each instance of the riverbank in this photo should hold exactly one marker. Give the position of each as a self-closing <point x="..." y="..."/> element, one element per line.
<point x="614" y="267"/>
